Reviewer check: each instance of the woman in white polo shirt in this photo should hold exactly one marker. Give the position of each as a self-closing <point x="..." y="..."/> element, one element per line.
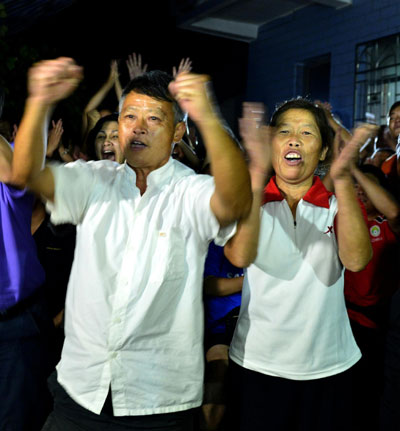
<point x="293" y="343"/>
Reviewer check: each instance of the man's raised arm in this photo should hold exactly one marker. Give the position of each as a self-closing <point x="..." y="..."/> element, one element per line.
<point x="232" y="197"/>
<point x="48" y="82"/>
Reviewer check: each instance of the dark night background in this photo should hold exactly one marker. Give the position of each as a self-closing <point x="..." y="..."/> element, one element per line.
<point x="94" y="34"/>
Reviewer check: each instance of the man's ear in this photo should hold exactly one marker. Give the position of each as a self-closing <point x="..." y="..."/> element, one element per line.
<point x="180" y="129"/>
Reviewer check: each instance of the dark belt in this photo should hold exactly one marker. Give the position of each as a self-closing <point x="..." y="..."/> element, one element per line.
<point x="20" y="306"/>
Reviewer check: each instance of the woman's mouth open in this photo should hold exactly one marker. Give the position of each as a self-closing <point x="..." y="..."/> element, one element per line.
<point x="108" y="155"/>
<point x="293" y="158"/>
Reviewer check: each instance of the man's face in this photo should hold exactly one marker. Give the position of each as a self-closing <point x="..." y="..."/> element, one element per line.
<point x="147" y="131"/>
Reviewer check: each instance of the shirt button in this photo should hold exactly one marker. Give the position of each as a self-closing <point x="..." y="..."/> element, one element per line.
<point x="113" y="355"/>
<point x="117" y="320"/>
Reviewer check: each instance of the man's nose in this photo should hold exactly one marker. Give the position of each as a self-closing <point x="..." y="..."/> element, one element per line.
<point x="140" y="127"/>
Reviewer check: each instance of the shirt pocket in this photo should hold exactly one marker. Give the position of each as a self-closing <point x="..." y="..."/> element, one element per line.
<point x="169" y="255"/>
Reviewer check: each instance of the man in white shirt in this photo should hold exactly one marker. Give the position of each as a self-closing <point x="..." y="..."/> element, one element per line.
<point x="132" y="357"/>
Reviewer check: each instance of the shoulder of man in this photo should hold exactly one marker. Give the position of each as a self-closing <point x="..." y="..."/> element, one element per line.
<point x="100" y="168"/>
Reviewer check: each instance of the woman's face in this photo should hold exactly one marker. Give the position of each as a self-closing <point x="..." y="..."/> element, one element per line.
<point x="296" y="147"/>
<point x="107" y="144"/>
<point x="394" y="122"/>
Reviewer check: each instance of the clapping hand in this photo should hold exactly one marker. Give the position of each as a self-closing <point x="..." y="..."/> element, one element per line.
<point x="257" y="142"/>
<point x="52" y="80"/>
<point x="347" y="157"/>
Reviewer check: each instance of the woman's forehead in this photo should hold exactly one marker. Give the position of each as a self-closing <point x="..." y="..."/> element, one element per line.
<point x="300" y="116"/>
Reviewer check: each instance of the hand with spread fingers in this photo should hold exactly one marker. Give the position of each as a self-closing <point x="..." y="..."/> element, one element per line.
<point x="134" y="64"/>
<point x="184" y="66"/>
<point x="54" y="137"/>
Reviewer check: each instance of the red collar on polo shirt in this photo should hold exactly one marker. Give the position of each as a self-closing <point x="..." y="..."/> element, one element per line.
<point x="317" y="195"/>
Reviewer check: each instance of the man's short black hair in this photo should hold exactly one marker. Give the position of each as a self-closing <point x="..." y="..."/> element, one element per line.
<point x="153" y="84"/>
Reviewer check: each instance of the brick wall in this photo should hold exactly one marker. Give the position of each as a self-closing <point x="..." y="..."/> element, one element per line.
<point x="311" y="32"/>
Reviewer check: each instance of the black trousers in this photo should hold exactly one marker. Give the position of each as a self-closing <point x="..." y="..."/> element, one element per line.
<point x="367" y="377"/>
<point x="390" y="408"/>
<point x="70" y="416"/>
<point x="25" y="364"/>
<point x="259" y="402"/>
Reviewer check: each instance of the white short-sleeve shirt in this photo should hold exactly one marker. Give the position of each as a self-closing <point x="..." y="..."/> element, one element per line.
<point x="134" y="314"/>
<point x="293" y="321"/>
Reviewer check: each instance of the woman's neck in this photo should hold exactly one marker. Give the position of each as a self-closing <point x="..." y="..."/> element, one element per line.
<point x="294" y="192"/>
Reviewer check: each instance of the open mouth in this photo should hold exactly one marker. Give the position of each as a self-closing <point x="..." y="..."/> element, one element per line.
<point x="108" y="155"/>
<point x="137" y="145"/>
<point x="293" y="158"/>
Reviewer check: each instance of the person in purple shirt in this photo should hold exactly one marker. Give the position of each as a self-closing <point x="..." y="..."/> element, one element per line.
<point x="25" y="325"/>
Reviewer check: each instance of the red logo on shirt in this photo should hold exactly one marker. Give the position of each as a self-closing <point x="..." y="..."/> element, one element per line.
<point x="330" y="229"/>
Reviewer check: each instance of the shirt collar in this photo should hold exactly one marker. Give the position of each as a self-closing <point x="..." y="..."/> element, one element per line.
<point x="317" y="195"/>
<point x="161" y="175"/>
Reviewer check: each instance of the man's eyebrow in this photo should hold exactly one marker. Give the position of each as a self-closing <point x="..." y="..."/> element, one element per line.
<point x="149" y="109"/>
